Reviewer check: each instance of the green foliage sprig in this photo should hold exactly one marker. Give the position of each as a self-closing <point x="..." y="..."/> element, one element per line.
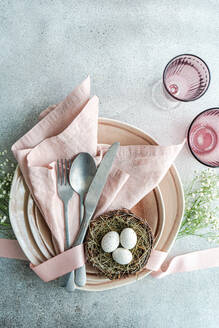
<point x="201" y="216"/>
<point x="6" y="175"/>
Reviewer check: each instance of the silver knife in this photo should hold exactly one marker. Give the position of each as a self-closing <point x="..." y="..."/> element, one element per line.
<point x="93" y="196"/>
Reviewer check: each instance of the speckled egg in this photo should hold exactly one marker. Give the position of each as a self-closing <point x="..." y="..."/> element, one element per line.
<point x="122" y="256"/>
<point x="110" y="241"/>
<point x="128" y="238"/>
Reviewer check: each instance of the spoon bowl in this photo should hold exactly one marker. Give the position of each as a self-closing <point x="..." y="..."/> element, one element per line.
<point x="82" y="172"/>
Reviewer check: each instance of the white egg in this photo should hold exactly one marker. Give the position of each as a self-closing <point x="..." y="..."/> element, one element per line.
<point x="110" y="241"/>
<point x="128" y="238"/>
<point x="122" y="256"/>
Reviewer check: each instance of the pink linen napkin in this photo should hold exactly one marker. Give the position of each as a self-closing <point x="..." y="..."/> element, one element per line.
<point x="64" y="131"/>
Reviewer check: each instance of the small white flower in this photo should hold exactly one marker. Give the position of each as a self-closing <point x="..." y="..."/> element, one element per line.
<point x="3" y="219"/>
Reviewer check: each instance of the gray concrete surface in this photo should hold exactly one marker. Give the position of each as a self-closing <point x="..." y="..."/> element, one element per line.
<point x="46" y="48"/>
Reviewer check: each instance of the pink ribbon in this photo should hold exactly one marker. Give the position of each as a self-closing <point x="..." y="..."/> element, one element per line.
<point x="74" y="258"/>
<point x="51" y="269"/>
<point x="11" y="249"/>
<point x="208" y="258"/>
<point x="61" y="264"/>
<point x="155" y="260"/>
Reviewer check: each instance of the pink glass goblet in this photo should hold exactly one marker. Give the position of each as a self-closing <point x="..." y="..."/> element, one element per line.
<point x="203" y="137"/>
<point x="185" y="78"/>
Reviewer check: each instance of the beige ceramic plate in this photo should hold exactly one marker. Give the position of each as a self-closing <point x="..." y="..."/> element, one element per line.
<point x="44" y="231"/>
<point x="34" y="229"/>
<point x="19" y="219"/>
<point x="149" y="207"/>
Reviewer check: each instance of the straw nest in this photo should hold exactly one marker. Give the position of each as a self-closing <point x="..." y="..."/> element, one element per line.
<point x="117" y="221"/>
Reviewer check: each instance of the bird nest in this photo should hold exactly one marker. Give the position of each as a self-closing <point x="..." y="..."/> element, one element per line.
<point x="117" y="221"/>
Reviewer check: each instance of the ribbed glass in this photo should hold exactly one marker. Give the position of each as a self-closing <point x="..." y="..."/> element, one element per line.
<point x="186" y="77"/>
<point x="203" y="137"/>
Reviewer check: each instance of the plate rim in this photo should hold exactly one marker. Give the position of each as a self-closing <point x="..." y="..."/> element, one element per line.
<point x="35" y="260"/>
<point x="33" y="228"/>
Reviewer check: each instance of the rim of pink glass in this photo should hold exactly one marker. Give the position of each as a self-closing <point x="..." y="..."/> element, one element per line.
<point x="188" y="133"/>
<point x="165" y="69"/>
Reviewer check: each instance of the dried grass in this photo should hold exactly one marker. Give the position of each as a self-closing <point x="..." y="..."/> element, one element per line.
<point x="117" y="221"/>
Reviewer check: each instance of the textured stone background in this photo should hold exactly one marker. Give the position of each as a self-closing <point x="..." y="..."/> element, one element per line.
<point x="48" y="47"/>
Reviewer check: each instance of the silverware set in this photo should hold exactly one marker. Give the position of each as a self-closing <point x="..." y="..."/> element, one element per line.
<point x="83" y="177"/>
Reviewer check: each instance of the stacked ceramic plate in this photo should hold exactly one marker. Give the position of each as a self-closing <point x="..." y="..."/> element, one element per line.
<point x="162" y="208"/>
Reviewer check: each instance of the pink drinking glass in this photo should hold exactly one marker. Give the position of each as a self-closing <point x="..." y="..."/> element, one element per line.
<point x="185" y="78"/>
<point x="203" y="137"/>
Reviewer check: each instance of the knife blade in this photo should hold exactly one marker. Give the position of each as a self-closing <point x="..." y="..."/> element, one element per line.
<point x="95" y="190"/>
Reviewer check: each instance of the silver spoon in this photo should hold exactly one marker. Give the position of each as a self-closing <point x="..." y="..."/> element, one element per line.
<point x="82" y="172"/>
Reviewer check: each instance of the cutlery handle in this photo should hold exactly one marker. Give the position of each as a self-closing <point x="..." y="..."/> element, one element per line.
<point x="70" y="284"/>
<point x="67" y="241"/>
<point x="80" y="238"/>
<point x="80" y="276"/>
<point x="83" y="228"/>
<point x="80" y="273"/>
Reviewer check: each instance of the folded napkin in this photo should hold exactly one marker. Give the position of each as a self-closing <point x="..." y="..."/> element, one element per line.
<point x="64" y="131"/>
